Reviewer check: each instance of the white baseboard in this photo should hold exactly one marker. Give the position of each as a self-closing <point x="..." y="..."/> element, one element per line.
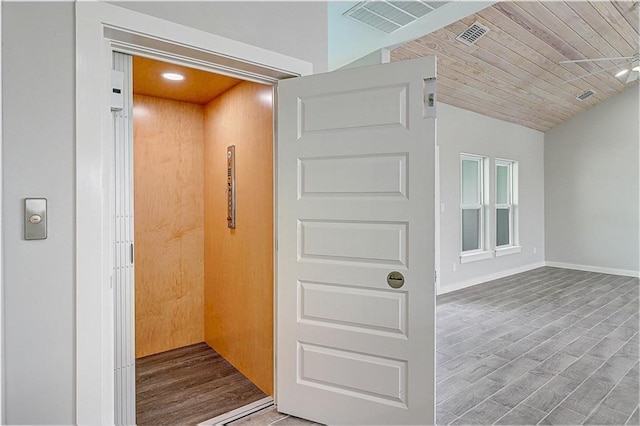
<point x="483" y="279"/>
<point x="599" y="269"/>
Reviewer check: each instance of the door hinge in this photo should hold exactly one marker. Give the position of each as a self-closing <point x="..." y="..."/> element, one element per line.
<point x="131" y="252"/>
<point x="435" y="277"/>
<point x="429" y="100"/>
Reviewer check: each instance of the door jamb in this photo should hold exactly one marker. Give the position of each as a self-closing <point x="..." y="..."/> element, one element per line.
<point x="94" y="139"/>
<point x="2" y="357"/>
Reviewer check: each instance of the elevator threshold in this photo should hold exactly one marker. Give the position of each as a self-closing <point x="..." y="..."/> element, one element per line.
<point x="239" y="413"/>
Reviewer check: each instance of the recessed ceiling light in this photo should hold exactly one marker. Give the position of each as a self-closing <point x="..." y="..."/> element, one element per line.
<point x="173" y="76"/>
<point x="621" y="73"/>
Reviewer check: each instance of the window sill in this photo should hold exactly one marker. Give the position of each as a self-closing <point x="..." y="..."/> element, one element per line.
<point x="508" y="250"/>
<point x="474" y="257"/>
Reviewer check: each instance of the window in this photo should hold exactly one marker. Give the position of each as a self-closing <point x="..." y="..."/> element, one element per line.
<point x="472" y="203"/>
<point x="483" y="206"/>
<point x="506" y="207"/>
<point x="503" y="203"/>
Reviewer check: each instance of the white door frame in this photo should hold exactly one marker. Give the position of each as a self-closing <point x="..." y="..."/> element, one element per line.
<point x="130" y="32"/>
<point x="2" y="408"/>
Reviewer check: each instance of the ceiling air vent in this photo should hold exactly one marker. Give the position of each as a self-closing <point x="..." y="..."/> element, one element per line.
<point x="472" y="34"/>
<point x="585" y="95"/>
<point x="389" y="16"/>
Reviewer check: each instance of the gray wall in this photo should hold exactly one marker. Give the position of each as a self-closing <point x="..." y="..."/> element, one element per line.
<point x="38" y="71"/>
<point x="591" y="186"/>
<point x="461" y="131"/>
<point x="297" y="29"/>
<point x="38" y="59"/>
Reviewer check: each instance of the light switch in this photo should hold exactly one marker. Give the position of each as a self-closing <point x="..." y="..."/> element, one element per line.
<point x="35" y="218"/>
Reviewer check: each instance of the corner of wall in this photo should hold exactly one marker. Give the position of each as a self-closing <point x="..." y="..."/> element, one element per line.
<point x="489" y="277"/>
<point x="242" y="257"/>
<point x="592" y="189"/>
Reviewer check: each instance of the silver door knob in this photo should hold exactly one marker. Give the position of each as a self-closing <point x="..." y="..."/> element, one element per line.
<point x="395" y="279"/>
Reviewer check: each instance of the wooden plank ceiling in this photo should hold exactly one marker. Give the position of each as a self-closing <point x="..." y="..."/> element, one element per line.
<point x="512" y="73"/>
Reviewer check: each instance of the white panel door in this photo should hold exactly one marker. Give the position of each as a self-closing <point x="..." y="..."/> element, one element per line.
<point x="356" y="202"/>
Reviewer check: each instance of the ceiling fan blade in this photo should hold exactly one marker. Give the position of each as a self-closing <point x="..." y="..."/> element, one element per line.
<point x="591" y="73"/>
<point x="633" y="76"/>
<point x="620" y="58"/>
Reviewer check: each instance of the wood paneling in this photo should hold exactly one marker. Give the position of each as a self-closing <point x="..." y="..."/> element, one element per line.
<point x="239" y="263"/>
<point x="188" y="386"/>
<point x="169" y="231"/>
<point x="513" y="72"/>
<point x="198" y="87"/>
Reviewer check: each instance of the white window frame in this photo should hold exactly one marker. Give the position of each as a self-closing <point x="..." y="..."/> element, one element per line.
<point x="481" y="252"/>
<point x="512" y="246"/>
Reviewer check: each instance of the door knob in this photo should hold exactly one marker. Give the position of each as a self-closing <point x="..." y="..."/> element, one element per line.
<point x="395" y="279"/>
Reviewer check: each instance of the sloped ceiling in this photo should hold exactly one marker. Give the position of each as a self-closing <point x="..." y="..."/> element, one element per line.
<point x="513" y="73"/>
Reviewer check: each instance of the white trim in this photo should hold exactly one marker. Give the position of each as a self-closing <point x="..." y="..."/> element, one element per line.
<point x="135" y="44"/>
<point x="275" y="241"/>
<point x="94" y="313"/>
<point x="108" y="15"/>
<point x="475" y="256"/>
<point x="239" y="413"/>
<point x="507" y="250"/>
<point x="599" y="269"/>
<point x="2" y="357"/>
<point x="479" y="280"/>
<point x="481" y="206"/>
<point x="509" y="205"/>
<point x="437" y="214"/>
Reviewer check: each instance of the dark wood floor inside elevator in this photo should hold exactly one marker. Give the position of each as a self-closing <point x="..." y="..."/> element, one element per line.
<point x="189" y="385"/>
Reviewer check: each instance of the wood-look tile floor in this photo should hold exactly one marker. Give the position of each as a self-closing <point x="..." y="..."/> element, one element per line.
<point x="189" y="385"/>
<point x="271" y="417"/>
<point x="548" y="346"/>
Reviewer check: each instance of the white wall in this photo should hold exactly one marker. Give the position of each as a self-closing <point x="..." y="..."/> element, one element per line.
<point x="297" y="29"/>
<point x="591" y="187"/>
<point x="461" y="131"/>
<point x="38" y="59"/>
<point x="38" y="161"/>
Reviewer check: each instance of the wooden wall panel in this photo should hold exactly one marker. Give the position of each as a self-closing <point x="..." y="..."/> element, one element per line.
<point x="239" y="263"/>
<point x="169" y="231"/>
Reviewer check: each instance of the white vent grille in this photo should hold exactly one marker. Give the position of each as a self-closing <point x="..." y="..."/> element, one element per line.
<point x="389" y="16"/>
<point x="585" y="95"/>
<point x="472" y="34"/>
